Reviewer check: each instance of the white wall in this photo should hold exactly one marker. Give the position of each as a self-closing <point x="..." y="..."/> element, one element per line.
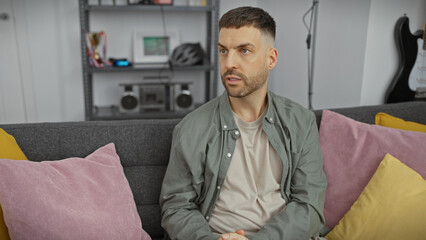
<point x="11" y="94"/>
<point x="355" y="56"/>
<point x="341" y="37"/>
<point x="381" y="59"/>
<point x="53" y="46"/>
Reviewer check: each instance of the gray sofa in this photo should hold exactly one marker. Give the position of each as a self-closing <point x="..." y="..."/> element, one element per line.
<point x="143" y="146"/>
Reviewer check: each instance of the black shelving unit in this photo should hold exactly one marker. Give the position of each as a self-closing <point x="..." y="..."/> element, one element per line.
<point x="209" y="68"/>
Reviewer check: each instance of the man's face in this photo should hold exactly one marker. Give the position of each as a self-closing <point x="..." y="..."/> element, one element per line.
<point x="244" y="59"/>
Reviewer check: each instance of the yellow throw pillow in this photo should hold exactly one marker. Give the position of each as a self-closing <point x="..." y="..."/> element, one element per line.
<point x="9" y="149"/>
<point x="392" y="206"/>
<point x="386" y="120"/>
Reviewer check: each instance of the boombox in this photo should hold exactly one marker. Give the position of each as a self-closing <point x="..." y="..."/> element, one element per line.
<point x="155" y="97"/>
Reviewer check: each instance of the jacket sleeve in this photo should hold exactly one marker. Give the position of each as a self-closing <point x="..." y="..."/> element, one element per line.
<point x="181" y="217"/>
<point x="303" y="216"/>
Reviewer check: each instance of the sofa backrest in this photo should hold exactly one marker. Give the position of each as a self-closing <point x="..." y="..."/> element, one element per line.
<point x="409" y="111"/>
<point x="144" y="147"/>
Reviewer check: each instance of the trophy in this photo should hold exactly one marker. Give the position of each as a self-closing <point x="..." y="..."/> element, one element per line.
<point x="96" y="48"/>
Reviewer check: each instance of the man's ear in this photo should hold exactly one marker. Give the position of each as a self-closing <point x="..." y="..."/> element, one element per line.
<point x="272" y="58"/>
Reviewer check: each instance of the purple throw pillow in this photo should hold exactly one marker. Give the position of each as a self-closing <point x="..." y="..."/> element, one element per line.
<point x="352" y="152"/>
<point x="74" y="198"/>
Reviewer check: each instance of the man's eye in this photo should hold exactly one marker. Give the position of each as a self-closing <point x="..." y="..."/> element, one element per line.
<point x="222" y="51"/>
<point x="245" y="51"/>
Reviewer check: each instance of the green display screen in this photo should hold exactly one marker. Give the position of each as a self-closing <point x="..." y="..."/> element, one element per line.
<point x="156" y="46"/>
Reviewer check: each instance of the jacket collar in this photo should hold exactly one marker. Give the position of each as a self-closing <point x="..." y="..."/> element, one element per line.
<point x="227" y="117"/>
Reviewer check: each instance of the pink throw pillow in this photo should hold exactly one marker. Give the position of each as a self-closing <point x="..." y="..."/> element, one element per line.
<point x="352" y="152"/>
<point x="74" y="198"/>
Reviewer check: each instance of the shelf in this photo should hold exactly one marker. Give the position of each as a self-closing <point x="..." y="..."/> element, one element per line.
<point x="112" y="113"/>
<point x="209" y="70"/>
<point x="149" y="8"/>
<point x="144" y="68"/>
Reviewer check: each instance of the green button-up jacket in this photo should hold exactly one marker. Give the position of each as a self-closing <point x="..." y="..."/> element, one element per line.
<point x="202" y="148"/>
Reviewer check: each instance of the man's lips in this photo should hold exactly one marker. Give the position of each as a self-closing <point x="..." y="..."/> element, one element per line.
<point x="230" y="79"/>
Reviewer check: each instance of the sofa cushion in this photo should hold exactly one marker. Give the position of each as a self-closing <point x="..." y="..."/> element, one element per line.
<point x="8" y="149"/>
<point x="392" y="206"/>
<point x="82" y="198"/>
<point x="352" y="152"/>
<point x="386" y="120"/>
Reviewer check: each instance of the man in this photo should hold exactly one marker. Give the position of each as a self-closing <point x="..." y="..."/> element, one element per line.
<point x="246" y="165"/>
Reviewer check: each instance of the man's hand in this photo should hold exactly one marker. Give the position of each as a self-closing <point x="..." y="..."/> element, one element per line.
<point x="238" y="235"/>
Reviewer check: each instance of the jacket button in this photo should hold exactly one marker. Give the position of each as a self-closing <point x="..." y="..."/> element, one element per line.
<point x="207" y="217"/>
<point x="229" y="155"/>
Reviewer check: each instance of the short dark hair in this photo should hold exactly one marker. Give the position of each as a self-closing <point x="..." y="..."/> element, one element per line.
<point x="248" y="16"/>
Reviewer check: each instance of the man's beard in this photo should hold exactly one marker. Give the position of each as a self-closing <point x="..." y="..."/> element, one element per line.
<point x="252" y="84"/>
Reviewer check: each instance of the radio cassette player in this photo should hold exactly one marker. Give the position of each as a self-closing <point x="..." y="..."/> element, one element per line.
<point x="155" y="97"/>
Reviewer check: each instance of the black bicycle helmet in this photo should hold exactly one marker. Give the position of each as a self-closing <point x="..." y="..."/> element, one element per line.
<point x="187" y="54"/>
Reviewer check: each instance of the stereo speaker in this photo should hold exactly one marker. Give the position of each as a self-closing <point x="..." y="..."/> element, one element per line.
<point x="183" y="98"/>
<point x="129" y="102"/>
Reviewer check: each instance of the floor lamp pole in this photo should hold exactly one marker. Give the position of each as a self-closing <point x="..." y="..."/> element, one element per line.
<point x="311" y="48"/>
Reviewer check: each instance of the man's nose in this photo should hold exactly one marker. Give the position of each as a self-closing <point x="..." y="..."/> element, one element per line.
<point x="231" y="61"/>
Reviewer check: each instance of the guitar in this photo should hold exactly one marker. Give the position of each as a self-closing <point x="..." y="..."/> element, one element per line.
<point x="418" y="75"/>
<point x="411" y="72"/>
